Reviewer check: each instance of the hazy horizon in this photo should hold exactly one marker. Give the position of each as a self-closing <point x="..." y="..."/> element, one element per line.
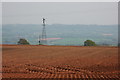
<point x="69" y="23"/>
<point x="61" y="24"/>
<point x="58" y="34"/>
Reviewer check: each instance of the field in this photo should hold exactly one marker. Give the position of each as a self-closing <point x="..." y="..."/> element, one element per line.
<point x="40" y="61"/>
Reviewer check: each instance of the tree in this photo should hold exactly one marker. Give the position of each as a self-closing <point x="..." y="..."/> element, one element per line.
<point x="23" y="42"/>
<point x="89" y="43"/>
<point x="118" y="44"/>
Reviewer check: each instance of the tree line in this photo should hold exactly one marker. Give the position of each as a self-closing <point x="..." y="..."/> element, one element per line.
<point x="23" y="41"/>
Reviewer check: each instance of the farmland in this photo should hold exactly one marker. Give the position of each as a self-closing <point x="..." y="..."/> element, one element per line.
<point x="40" y="61"/>
<point x="65" y="34"/>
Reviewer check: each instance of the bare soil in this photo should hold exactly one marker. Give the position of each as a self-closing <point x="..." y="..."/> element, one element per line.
<point x="38" y="61"/>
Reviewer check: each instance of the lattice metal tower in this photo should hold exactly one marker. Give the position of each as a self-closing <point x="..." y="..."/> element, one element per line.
<point x="43" y="40"/>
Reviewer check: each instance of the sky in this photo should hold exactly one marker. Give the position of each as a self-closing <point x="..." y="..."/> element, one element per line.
<point x="100" y="13"/>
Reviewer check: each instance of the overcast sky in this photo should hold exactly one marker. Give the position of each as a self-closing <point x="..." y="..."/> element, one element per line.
<point x="101" y="13"/>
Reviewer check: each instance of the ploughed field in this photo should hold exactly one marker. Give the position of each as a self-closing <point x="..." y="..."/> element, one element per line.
<point x="32" y="61"/>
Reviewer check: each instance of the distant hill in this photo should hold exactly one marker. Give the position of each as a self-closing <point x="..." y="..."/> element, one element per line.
<point x="61" y="34"/>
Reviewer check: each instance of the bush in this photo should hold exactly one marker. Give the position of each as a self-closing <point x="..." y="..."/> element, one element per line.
<point x="89" y="43"/>
<point x="23" y="42"/>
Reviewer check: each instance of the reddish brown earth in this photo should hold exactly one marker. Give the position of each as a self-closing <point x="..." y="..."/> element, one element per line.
<point x="30" y="61"/>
